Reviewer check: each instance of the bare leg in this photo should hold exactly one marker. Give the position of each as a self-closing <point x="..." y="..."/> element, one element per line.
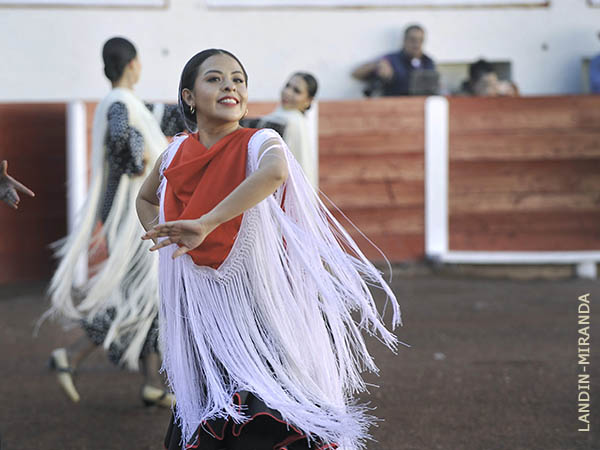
<point x="154" y="391"/>
<point x="150" y="369"/>
<point x="65" y="361"/>
<point x="80" y="350"/>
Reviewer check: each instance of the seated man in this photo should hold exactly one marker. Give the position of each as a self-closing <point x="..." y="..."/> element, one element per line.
<point x="391" y="74"/>
<point x="483" y="82"/>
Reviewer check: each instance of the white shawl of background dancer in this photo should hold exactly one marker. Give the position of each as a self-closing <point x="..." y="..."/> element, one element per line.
<point x="275" y="317"/>
<point x="297" y="138"/>
<point x="128" y="280"/>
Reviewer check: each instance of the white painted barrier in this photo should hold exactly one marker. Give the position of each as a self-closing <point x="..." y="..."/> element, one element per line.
<point x="436" y="208"/>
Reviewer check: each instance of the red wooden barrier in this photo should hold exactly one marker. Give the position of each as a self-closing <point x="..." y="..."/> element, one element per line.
<point x="33" y="141"/>
<point x="371" y="156"/>
<point x="525" y="173"/>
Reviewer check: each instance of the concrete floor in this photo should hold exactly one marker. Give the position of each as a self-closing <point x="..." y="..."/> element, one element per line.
<point x="493" y="365"/>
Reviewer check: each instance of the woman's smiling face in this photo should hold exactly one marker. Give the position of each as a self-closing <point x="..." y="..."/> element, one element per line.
<point x="220" y="92"/>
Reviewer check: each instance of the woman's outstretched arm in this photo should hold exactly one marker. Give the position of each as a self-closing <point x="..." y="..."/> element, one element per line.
<point x="189" y="234"/>
<point x="9" y="187"/>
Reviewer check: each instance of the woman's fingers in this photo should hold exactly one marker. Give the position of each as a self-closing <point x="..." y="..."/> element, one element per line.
<point x="180" y="251"/>
<point x="11" y="182"/>
<point x="166" y="242"/>
<point x="150" y="234"/>
<point x="166" y="229"/>
<point x="12" y="199"/>
<point x="161" y="244"/>
<point x="21" y="187"/>
<point x="176" y="232"/>
<point x="158" y="231"/>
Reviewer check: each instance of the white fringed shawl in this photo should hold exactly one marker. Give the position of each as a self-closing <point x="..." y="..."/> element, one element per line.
<point x="276" y="316"/>
<point x="128" y="280"/>
<point x="297" y="138"/>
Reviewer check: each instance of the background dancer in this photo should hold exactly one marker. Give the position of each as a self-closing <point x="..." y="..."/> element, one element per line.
<point x="296" y="98"/>
<point x="118" y="306"/>
<point x="260" y="346"/>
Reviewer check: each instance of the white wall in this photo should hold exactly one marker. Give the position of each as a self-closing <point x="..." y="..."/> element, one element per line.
<point x="54" y="53"/>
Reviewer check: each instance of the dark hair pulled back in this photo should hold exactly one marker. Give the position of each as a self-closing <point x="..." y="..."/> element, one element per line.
<point x="117" y="53"/>
<point x="188" y="78"/>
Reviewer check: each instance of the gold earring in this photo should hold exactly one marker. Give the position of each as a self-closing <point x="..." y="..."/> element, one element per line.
<point x="192" y="109"/>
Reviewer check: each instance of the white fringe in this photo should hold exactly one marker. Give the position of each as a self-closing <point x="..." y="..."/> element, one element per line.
<point x="128" y="280"/>
<point x="275" y="318"/>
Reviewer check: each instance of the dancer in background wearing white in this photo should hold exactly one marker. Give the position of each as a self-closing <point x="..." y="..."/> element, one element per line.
<point x="262" y="306"/>
<point x="296" y="98"/>
<point x="9" y="187"/>
<point x="118" y="306"/>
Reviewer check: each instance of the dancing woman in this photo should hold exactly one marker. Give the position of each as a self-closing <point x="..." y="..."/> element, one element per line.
<point x="260" y="345"/>
<point x="118" y="306"/>
<point x="296" y="98"/>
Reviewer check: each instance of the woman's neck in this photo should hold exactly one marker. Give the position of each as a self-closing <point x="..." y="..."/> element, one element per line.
<point x="123" y="83"/>
<point x="210" y="134"/>
<point x="283" y="108"/>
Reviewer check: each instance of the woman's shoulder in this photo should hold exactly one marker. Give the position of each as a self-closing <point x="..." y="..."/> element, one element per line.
<point x="123" y="96"/>
<point x="180" y="136"/>
<point x="117" y="107"/>
<point x="176" y="141"/>
<point x="285" y="114"/>
<point x="175" y="144"/>
<point x="261" y="136"/>
<point x="169" y="153"/>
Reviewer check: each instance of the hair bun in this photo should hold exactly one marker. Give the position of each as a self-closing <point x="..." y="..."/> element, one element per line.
<point x="117" y="53"/>
<point x="111" y="72"/>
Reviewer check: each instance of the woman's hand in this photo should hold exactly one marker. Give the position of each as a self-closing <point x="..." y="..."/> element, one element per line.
<point x="384" y="70"/>
<point x="142" y="170"/>
<point x="187" y="234"/>
<point x="9" y="187"/>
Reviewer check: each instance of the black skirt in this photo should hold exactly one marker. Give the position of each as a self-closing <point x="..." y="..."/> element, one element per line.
<point x="264" y="430"/>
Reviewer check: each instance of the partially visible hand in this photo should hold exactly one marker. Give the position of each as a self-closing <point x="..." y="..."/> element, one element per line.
<point x="144" y="164"/>
<point x="142" y="172"/>
<point x="385" y="70"/>
<point x="9" y="187"/>
<point x="187" y="234"/>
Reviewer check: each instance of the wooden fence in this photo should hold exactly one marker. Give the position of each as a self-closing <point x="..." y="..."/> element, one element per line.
<point x="524" y="174"/>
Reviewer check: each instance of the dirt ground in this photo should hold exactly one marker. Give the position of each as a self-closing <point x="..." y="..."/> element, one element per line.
<point x="493" y="365"/>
